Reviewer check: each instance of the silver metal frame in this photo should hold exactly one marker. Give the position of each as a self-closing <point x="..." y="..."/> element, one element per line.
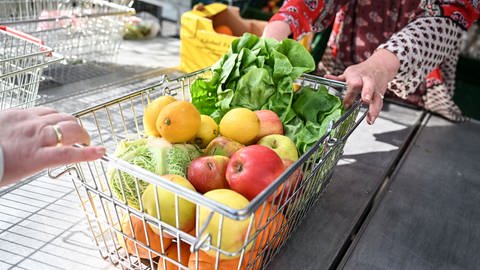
<point x="291" y="195"/>
<point x="22" y="60"/>
<point x="80" y="30"/>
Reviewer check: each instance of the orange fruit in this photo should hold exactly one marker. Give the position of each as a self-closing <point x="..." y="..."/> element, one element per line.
<point x="241" y="125"/>
<point x="178" y="122"/>
<point x="172" y="252"/>
<point x="207" y="262"/>
<point x="207" y="132"/>
<point x="151" y="112"/>
<point x="223" y="29"/>
<point x="139" y="235"/>
<point x="269" y="225"/>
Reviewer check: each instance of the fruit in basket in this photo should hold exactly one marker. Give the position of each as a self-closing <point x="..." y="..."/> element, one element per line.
<point x="271" y="225"/>
<point x="148" y="154"/>
<point x="206" y="261"/>
<point x="178" y="122"/>
<point x="233" y="232"/>
<point x="292" y="184"/>
<point x="252" y="168"/>
<point x="172" y="253"/>
<point x="223" y="29"/>
<point x="208" y="173"/>
<point x="241" y="125"/>
<point x="139" y="235"/>
<point x="222" y="146"/>
<point x="207" y="132"/>
<point x="270" y="123"/>
<point x="151" y="112"/>
<point x="168" y="202"/>
<point x="282" y="145"/>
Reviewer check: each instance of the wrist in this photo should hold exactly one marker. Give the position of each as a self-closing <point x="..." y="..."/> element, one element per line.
<point x="386" y="59"/>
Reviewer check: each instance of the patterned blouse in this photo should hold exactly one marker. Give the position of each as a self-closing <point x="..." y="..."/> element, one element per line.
<point x="424" y="34"/>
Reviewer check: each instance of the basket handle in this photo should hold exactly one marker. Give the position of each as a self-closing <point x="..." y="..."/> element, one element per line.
<point x="25" y="36"/>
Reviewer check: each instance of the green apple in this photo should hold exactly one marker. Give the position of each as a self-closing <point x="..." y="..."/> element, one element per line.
<point x="233" y="232"/>
<point x="282" y="145"/>
<point x="167" y="205"/>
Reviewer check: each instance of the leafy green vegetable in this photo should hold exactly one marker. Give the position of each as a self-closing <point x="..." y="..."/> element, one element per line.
<point x="315" y="110"/>
<point x="148" y="154"/>
<point x="258" y="74"/>
<point x="153" y="154"/>
<point x="179" y="157"/>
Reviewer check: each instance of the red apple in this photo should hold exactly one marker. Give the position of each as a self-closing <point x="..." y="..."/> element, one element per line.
<point x="252" y="168"/>
<point x="292" y="184"/>
<point x="270" y="123"/>
<point x="208" y="173"/>
<point x="222" y="146"/>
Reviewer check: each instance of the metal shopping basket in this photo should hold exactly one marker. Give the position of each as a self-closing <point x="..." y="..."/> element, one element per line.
<point x="124" y="234"/>
<point x="22" y="60"/>
<point x="80" y="30"/>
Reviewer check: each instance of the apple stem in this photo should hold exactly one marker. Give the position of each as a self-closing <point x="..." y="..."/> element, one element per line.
<point x="274" y="144"/>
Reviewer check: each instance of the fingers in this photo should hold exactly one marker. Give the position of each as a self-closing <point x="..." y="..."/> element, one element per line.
<point x="368" y="89"/>
<point x="333" y="77"/>
<point x="354" y="87"/>
<point x="70" y="133"/>
<point x="375" y="107"/>
<point x="73" y="133"/>
<point x="54" y="118"/>
<point x="42" y="110"/>
<point x="56" y="156"/>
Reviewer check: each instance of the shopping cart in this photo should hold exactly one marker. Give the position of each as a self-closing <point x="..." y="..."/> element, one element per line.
<point x="80" y="30"/>
<point x="22" y="60"/>
<point x="123" y="233"/>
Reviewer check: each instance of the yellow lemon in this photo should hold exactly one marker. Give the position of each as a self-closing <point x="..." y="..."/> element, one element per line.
<point x="178" y="122"/>
<point x="207" y="131"/>
<point x="241" y="125"/>
<point x="151" y="112"/>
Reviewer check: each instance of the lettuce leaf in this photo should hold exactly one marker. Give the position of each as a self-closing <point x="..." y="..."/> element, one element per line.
<point x="258" y="74"/>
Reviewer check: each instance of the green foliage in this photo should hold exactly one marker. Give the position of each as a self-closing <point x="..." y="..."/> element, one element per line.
<point x="148" y="154"/>
<point x="179" y="157"/>
<point x="258" y="74"/>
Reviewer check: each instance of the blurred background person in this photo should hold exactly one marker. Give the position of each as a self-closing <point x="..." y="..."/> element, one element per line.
<point x="410" y="47"/>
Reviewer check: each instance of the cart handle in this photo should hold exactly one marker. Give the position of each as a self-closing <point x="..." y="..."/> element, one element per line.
<point x="26" y="37"/>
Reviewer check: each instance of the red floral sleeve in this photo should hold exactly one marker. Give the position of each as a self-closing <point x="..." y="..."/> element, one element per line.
<point x="462" y="12"/>
<point x="300" y="15"/>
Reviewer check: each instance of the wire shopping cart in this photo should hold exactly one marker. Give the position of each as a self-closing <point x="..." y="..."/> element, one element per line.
<point x="80" y="30"/>
<point x="22" y="60"/>
<point x="125" y="234"/>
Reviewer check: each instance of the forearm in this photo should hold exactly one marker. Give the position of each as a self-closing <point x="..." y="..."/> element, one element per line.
<point x="300" y="17"/>
<point x="278" y="30"/>
<point x="420" y="51"/>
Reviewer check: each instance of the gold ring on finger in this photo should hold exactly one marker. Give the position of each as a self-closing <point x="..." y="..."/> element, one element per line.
<point x="58" y="133"/>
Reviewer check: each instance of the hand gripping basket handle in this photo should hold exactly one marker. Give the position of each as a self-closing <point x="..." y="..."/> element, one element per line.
<point x="25" y="36"/>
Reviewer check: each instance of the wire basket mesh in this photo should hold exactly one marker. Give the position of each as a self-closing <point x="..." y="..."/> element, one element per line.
<point x="132" y="239"/>
<point x="80" y="30"/>
<point x="22" y="60"/>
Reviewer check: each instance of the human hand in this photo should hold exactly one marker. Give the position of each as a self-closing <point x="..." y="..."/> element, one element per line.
<point x="30" y="144"/>
<point x="369" y="78"/>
